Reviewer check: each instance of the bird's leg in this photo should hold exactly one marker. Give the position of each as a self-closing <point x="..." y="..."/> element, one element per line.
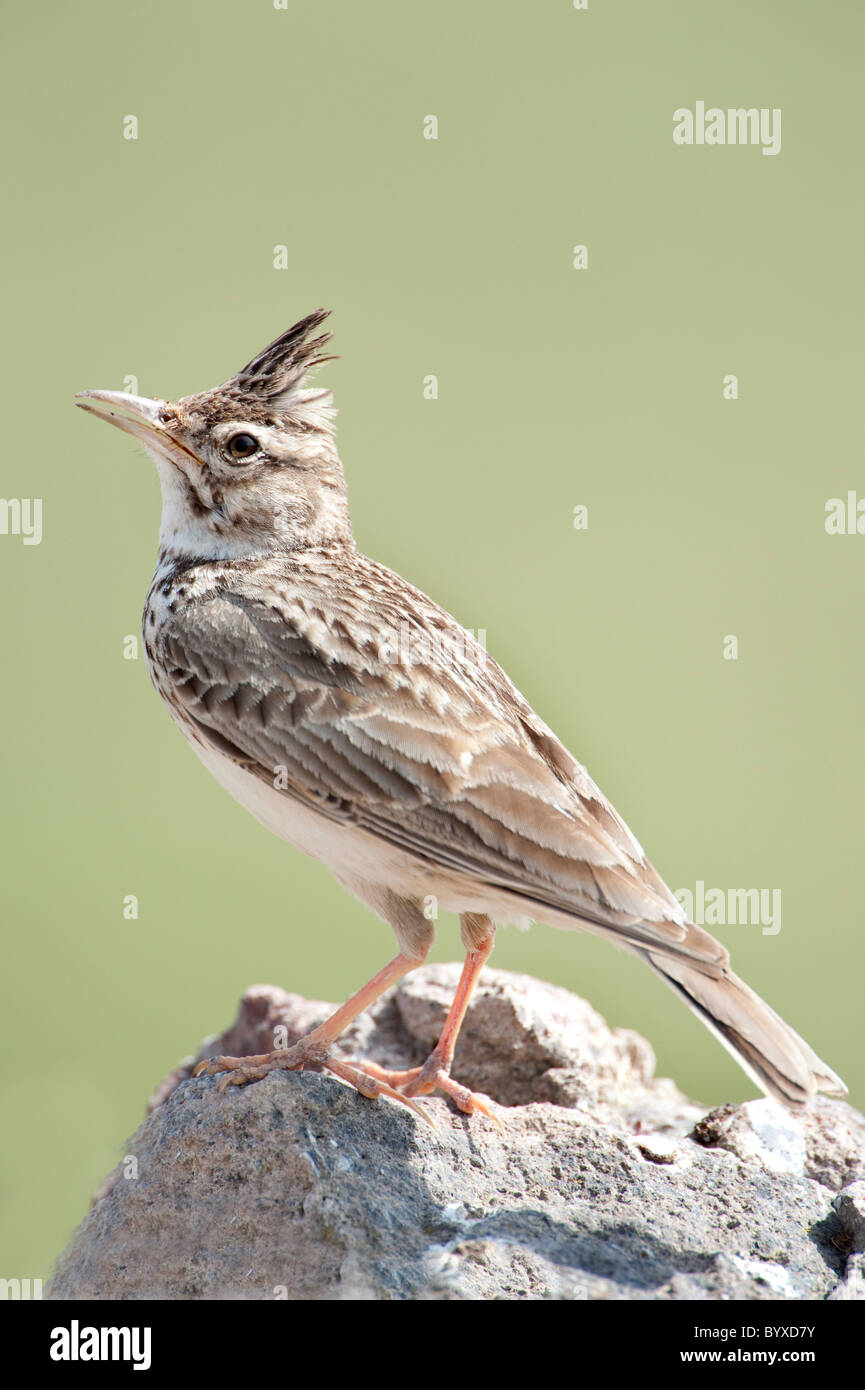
<point x="478" y="933"/>
<point x="314" y="1048"/>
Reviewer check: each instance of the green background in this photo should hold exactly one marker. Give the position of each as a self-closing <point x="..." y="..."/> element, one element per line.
<point x="556" y="387"/>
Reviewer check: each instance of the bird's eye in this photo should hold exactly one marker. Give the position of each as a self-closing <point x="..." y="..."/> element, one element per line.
<point x="242" y="446"/>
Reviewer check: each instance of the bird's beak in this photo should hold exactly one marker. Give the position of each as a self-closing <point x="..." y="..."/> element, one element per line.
<point x="144" y="419"/>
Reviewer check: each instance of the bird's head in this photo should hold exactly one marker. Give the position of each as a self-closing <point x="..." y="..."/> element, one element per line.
<point x="251" y="467"/>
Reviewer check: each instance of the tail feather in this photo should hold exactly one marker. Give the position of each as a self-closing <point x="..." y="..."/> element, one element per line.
<point x="773" y="1055"/>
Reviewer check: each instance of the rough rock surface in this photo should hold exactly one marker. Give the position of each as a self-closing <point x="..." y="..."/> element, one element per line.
<point x="608" y="1182"/>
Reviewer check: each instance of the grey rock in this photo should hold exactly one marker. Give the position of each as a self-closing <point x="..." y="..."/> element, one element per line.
<point x="850" y="1206"/>
<point x="852" y="1287"/>
<point x="608" y="1182"/>
<point x="760" y="1130"/>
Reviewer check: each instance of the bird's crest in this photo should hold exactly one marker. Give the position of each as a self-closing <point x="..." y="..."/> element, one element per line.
<point x="274" y="377"/>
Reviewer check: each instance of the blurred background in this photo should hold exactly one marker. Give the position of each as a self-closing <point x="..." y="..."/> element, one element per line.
<point x="153" y="258"/>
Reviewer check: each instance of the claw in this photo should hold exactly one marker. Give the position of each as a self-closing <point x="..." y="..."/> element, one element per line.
<point x="423" y="1080"/>
<point x="371" y="1086"/>
<point x="478" y="1103"/>
<point x="241" y="1077"/>
<point x="241" y="1071"/>
<point x="212" y="1066"/>
<point x="469" y="1102"/>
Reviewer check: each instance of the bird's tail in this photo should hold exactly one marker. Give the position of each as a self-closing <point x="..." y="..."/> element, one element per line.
<point x="773" y="1055"/>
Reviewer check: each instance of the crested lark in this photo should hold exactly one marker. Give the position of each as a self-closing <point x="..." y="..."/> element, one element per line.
<point x="413" y="769"/>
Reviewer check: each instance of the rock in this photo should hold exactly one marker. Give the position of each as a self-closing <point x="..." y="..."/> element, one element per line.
<point x="850" y="1206"/>
<point x="835" y="1143"/>
<point x="761" y="1130"/>
<point x="852" y="1286"/>
<point x="608" y="1182"/>
<point x="825" y="1142"/>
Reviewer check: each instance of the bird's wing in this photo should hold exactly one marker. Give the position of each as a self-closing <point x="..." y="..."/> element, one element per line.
<point x="441" y="757"/>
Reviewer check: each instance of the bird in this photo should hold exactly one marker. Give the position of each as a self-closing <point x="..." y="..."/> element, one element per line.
<point x="362" y="724"/>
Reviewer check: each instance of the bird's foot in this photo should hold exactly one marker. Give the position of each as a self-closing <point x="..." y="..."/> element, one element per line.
<point x="434" y="1075"/>
<point x="240" y="1071"/>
